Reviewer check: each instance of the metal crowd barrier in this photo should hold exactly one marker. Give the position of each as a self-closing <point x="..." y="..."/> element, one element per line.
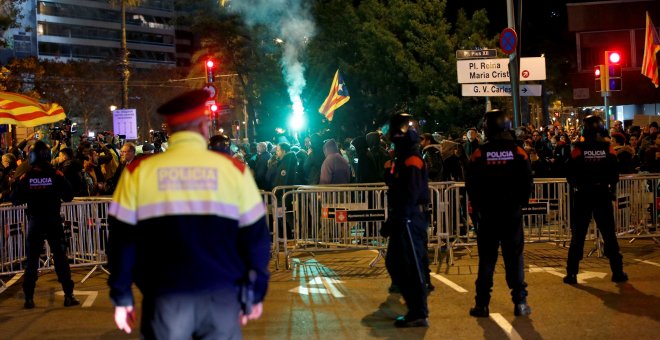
<point x="333" y="218"/>
<point x="270" y="201"/>
<point x="637" y="207"/>
<point x="547" y="217"/>
<point x="86" y="228"/>
<point x="13" y="229"/>
<point x="349" y="217"/>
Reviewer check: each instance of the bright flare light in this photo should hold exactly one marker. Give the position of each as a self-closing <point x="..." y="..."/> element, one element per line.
<point x="297" y="119"/>
<point x="297" y="122"/>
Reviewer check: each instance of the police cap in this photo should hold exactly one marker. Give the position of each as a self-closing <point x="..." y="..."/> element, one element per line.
<point x="184" y="107"/>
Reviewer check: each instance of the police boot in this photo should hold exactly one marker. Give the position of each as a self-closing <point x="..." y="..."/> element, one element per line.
<point x="479" y="311"/>
<point x="70" y="300"/>
<point x="29" y="304"/>
<point x="620" y="277"/>
<point x="570" y="279"/>
<point x="522" y="309"/>
<point x="405" y="322"/>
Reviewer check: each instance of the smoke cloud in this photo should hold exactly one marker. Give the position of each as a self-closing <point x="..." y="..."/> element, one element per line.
<point x="293" y="24"/>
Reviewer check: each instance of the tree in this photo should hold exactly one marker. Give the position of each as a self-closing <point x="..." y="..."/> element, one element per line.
<point x="124" y="62"/>
<point x="395" y="56"/>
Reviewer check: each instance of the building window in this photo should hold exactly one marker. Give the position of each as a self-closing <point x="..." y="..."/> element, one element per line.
<point x="593" y="45"/>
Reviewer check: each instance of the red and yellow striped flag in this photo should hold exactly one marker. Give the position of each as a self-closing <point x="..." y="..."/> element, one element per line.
<point x="337" y="97"/>
<point x="28" y="112"/>
<point x="651" y="48"/>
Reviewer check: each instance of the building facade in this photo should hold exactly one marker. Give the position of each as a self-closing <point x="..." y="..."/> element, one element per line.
<point x="613" y="26"/>
<point x="91" y="30"/>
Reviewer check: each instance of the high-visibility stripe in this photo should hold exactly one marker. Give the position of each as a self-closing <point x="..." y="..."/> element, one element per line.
<point x="197" y="207"/>
<point x="122" y="214"/>
<point x="251" y="216"/>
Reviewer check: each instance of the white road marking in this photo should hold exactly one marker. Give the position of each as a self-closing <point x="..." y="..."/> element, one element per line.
<point x="581" y="278"/>
<point x="11" y="282"/>
<point x="449" y="283"/>
<point x="648" y="262"/>
<point x="89" y="301"/>
<point x="506" y="326"/>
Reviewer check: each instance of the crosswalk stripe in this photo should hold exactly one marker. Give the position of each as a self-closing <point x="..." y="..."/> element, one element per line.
<point x="648" y="262"/>
<point x="449" y="283"/>
<point x="506" y="326"/>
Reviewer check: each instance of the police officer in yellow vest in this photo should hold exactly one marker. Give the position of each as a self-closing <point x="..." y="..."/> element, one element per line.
<point x="188" y="227"/>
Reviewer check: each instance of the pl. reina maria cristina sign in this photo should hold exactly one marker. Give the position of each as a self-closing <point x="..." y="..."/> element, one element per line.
<point x="497" y="70"/>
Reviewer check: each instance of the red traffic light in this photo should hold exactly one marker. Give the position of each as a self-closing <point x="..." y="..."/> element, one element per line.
<point x="214" y="108"/>
<point x="612" y="57"/>
<point x="210" y="63"/>
<point x="615" y="57"/>
<point x="597" y="71"/>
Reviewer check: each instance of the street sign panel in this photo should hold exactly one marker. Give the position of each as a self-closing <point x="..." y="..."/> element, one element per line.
<point x="499" y="90"/>
<point x="508" y="40"/>
<point x="497" y="70"/>
<point x="472" y="54"/>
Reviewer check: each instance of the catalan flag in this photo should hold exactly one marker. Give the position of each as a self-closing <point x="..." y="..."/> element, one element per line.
<point x="28" y="112"/>
<point x="651" y="48"/>
<point x="337" y="97"/>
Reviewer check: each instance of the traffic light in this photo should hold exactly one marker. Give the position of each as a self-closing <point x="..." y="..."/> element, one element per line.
<point x="210" y="66"/>
<point x="600" y="80"/>
<point x="612" y="71"/>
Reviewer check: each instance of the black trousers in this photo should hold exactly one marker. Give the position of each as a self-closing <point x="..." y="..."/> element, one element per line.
<point x="407" y="265"/>
<point x="52" y="231"/>
<point x="505" y="229"/>
<point x="596" y="203"/>
<point x="204" y="315"/>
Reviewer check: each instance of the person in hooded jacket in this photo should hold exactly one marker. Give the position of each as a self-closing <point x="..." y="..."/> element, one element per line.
<point x="378" y="153"/>
<point x="72" y="169"/>
<point x="499" y="182"/>
<point x="432" y="156"/>
<point x="365" y="169"/>
<point x="261" y="166"/>
<point x="285" y="175"/>
<point x="335" y="168"/>
<point x="314" y="161"/>
<point x="407" y="225"/>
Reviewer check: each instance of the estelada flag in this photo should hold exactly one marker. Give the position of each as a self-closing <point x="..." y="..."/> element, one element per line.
<point x="651" y="48"/>
<point x="337" y="97"/>
<point x="28" y="112"/>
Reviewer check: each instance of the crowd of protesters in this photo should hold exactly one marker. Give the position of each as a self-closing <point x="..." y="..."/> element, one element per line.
<point x="93" y="168"/>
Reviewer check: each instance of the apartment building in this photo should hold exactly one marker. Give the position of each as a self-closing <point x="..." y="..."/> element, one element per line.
<point x="91" y="29"/>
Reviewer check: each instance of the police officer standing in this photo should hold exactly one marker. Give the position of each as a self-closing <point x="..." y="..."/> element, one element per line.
<point x="593" y="174"/>
<point x="188" y="227"/>
<point x="43" y="189"/>
<point x="408" y="195"/>
<point x="499" y="182"/>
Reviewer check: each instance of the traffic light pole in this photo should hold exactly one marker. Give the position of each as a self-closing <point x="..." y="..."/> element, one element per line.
<point x="606" y="95"/>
